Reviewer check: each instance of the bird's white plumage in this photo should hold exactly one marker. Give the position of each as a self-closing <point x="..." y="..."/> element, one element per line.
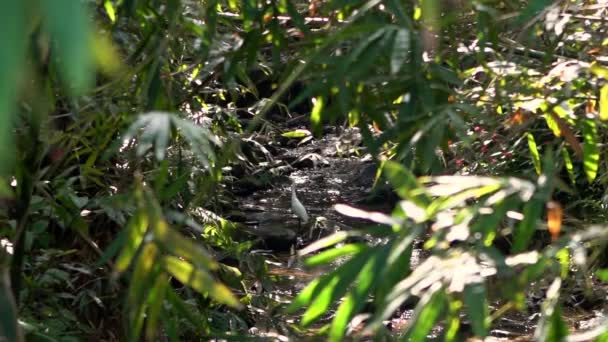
<point x="296" y="205"/>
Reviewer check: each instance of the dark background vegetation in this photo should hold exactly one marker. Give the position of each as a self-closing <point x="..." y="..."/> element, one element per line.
<point x="130" y="130"/>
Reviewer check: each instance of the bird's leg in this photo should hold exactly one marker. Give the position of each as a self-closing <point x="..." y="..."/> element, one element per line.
<point x="299" y="223"/>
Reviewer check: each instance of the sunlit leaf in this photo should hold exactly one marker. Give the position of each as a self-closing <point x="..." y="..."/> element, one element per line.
<point x="591" y="151"/>
<point x="145" y="273"/>
<point x="177" y="244"/>
<point x="568" y="164"/>
<point x="355" y="300"/>
<point x="427" y="312"/>
<point x="200" y="280"/>
<point x="326" y="242"/>
<point x="322" y="292"/>
<point x="598" y="70"/>
<point x="332" y="254"/>
<point x="109" y="7"/>
<point x="553" y="125"/>
<point x="137" y="227"/>
<point x="298" y="133"/>
<point x="315" y="115"/>
<point x="602" y="275"/>
<point x="156" y="300"/>
<point x="563" y="256"/>
<point x="534" y="153"/>
<point x="106" y="56"/>
<point x="377" y="217"/>
<point x="604" y="103"/>
<point x="405" y="183"/>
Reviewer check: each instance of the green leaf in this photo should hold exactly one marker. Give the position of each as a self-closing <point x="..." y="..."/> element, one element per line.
<point x="298" y="133"/>
<point x="356" y="298"/>
<point x="591" y="151"/>
<point x="145" y="273"/>
<point x="477" y="308"/>
<point x="70" y="28"/>
<point x="598" y="70"/>
<point x="602" y="338"/>
<point x="156" y="299"/>
<point x="401" y="47"/>
<point x="200" y="280"/>
<point x="155" y="128"/>
<point x="568" y="164"/>
<point x="525" y="230"/>
<point x="185" y="312"/>
<point x="315" y="115"/>
<point x="177" y="244"/>
<point x="12" y="56"/>
<point x="534" y="153"/>
<point x="604" y="103"/>
<point x="397" y="265"/>
<point x="602" y="275"/>
<point x="109" y="7"/>
<point x="405" y="183"/>
<point x="332" y="254"/>
<point x="322" y="292"/>
<point x="136" y="228"/>
<point x="427" y="312"/>
<point x="553" y="125"/>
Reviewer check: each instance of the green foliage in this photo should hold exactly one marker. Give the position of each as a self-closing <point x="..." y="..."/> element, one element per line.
<point x="116" y="203"/>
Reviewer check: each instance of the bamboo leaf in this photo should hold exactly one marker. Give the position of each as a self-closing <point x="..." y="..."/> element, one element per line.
<point x="525" y="230"/>
<point x="591" y="151"/>
<point x="534" y="153"/>
<point x="405" y="183"/>
<point x="401" y="47"/>
<point x="477" y="308"/>
<point x="136" y="229"/>
<point x="321" y="292"/>
<point x="298" y="133"/>
<point x="332" y="254"/>
<point x="355" y="300"/>
<point x="144" y="274"/>
<point x="427" y="312"/>
<point x="200" y="280"/>
<point x="568" y="164"/>
<point x="12" y="56"/>
<point x="316" y="114"/>
<point x="71" y="31"/>
<point x="177" y="244"/>
<point x="604" y="103"/>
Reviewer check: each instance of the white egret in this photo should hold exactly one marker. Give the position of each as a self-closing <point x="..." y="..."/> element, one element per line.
<point x="297" y="207"/>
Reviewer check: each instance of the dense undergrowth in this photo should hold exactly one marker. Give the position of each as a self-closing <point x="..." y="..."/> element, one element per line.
<point x="127" y="127"/>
